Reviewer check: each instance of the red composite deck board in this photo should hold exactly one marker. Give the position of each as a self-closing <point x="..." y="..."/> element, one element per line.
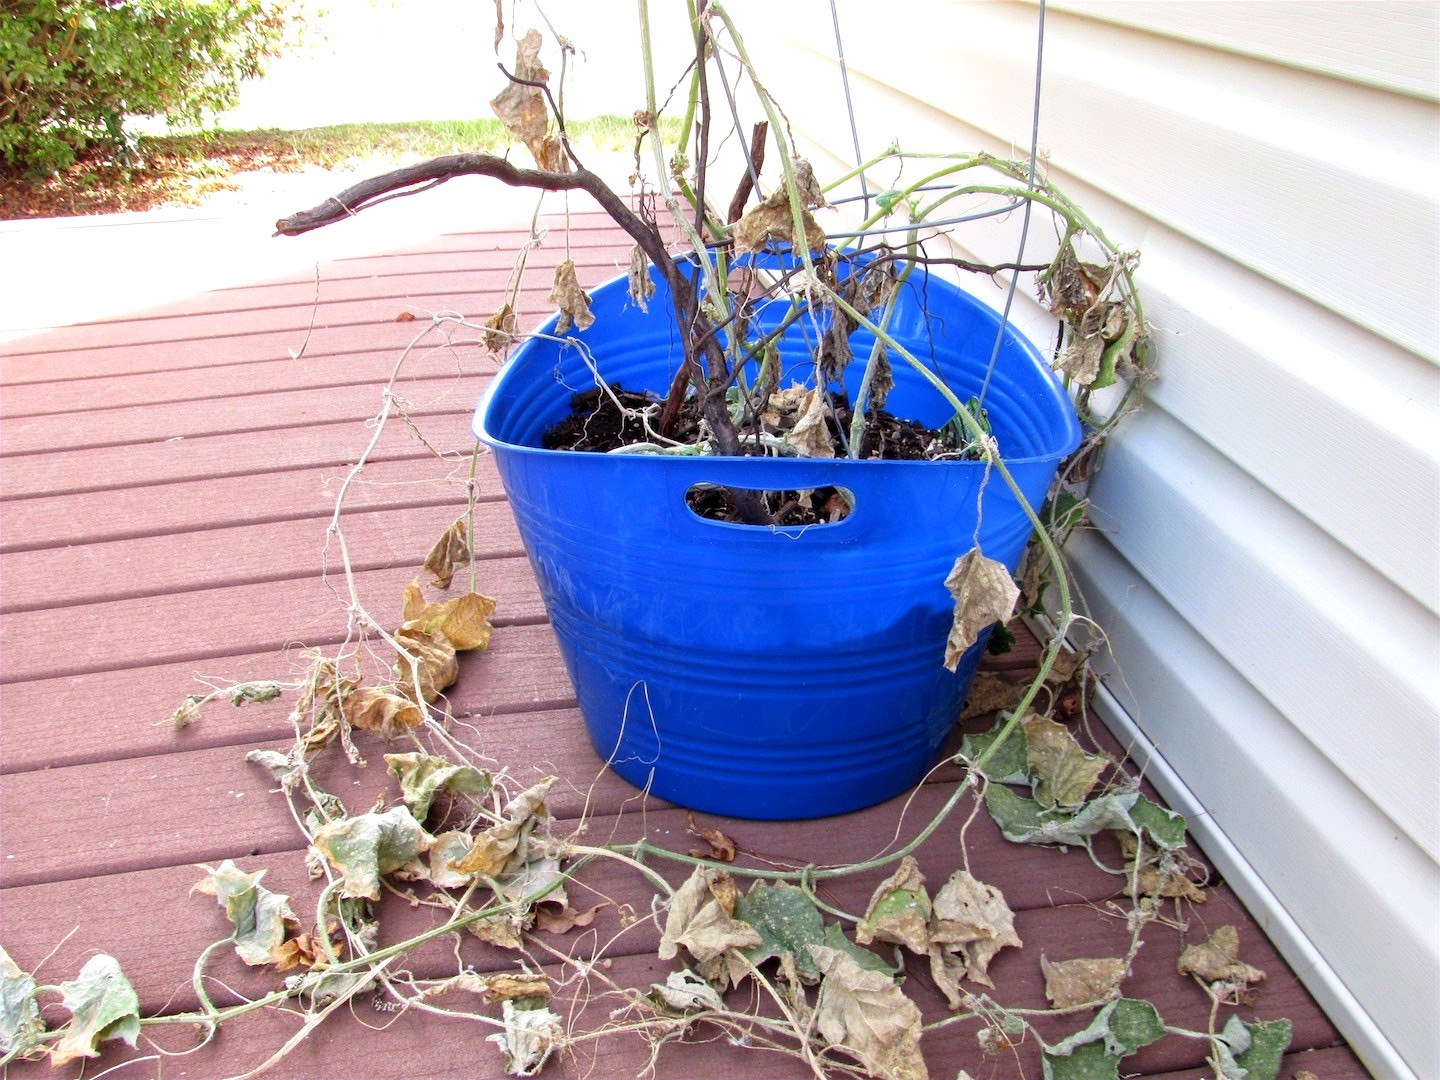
<point x="167" y="482"/>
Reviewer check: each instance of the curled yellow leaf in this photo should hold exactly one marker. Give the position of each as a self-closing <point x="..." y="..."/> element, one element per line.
<point x="464" y="621"/>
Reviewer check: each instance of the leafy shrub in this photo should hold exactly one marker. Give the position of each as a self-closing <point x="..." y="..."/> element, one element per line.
<point x="71" y="71"/>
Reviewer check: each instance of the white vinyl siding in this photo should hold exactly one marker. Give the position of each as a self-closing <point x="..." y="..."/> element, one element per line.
<point x="1268" y="551"/>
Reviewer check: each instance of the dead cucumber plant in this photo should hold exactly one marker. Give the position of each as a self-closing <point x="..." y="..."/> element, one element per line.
<point x="458" y="833"/>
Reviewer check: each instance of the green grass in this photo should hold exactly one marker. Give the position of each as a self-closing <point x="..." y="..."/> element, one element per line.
<point x="179" y="170"/>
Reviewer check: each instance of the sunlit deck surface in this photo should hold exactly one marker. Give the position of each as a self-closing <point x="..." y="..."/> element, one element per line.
<point x="168" y="480"/>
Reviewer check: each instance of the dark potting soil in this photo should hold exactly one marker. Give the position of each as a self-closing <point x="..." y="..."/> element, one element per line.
<point x="603" y="421"/>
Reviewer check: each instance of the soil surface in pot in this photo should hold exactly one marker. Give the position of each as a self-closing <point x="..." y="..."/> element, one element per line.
<point x="613" y="418"/>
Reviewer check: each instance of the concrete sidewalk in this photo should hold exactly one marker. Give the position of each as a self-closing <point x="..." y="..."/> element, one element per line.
<point x="62" y="271"/>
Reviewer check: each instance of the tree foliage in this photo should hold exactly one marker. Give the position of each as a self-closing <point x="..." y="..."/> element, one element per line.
<point x="71" y="71"/>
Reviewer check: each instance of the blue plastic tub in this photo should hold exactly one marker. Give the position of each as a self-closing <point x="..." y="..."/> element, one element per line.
<point x="767" y="672"/>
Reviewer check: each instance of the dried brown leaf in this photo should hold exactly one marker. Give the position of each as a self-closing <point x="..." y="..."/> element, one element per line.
<point x="1082" y="981"/>
<point x="449" y="552"/>
<point x="562" y="918"/>
<point x="504" y="931"/>
<point x="984" y="594"/>
<point x="449" y="847"/>
<point x="1081" y="358"/>
<point x="990" y="693"/>
<point x="511" y="986"/>
<point x="642" y="285"/>
<point x="720" y="847"/>
<point x="899" y="910"/>
<point x="499" y="331"/>
<point x="701" y="919"/>
<point x="303" y="950"/>
<point x="1064" y="773"/>
<point x="869" y="1015"/>
<point x="970" y="922"/>
<point x="464" y="621"/>
<point x="435" y="660"/>
<point x="811" y="434"/>
<point x="1218" y="960"/>
<point x="382" y="709"/>
<point x="504" y="847"/>
<point x="523" y="108"/>
<point x="773" y="223"/>
<point x="567" y="295"/>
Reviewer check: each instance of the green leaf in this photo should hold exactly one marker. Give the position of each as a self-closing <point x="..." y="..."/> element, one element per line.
<point x="20" y="1024"/>
<point x="1020" y="819"/>
<point x="1095" y="1052"/>
<point x="1251" y="1051"/>
<point x="421" y="776"/>
<point x="368" y="846"/>
<point x="899" y="910"/>
<point x="788" y="923"/>
<point x="835" y="939"/>
<point x="103" y="1005"/>
<point x="1008" y="764"/>
<point x="260" y="917"/>
<point x="1025" y="821"/>
<point x="1165" y="828"/>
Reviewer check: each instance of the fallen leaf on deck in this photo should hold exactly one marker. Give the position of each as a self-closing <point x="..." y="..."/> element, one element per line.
<point x="368" y="846"/>
<point x="464" y="621"/>
<point x="382" y="709"/>
<point x="504" y="847"/>
<point x="899" y="910"/>
<point x="435" y="662"/>
<point x="20" y="1022"/>
<point x="721" y="847"/>
<point x="1063" y="773"/>
<point x="867" y="1014"/>
<point x="970" y="923"/>
<point x="528" y="1039"/>
<point x="701" y="919"/>
<point x="990" y="693"/>
<point x="406" y="316"/>
<point x="1218" y="960"/>
<point x="567" y="295"/>
<point x="261" y="918"/>
<point x="565" y="919"/>
<point x="1253" y="1051"/>
<point x="517" y="986"/>
<point x="684" y="992"/>
<point x="788" y="923"/>
<point x="423" y="776"/>
<point x="984" y="594"/>
<point x="447" y="848"/>
<point x="1009" y="763"/>
<point x="1025" y="821"/>
<point x="103" y="1006"/>
<point x="1095" y="1052"/>
<point x="448" y="553"/>
<point x="1081" y="981"/>
<point x="303" y="950"/>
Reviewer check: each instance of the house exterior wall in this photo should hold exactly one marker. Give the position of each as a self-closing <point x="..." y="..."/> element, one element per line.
<point x="1267" y="562"/>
